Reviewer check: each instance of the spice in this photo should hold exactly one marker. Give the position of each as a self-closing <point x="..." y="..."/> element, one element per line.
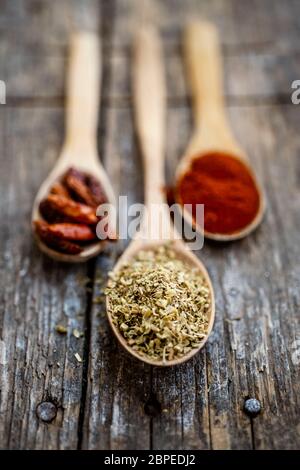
<point x="226" y="188"/>
<point x="160" y="304"/>
<point x="76" y="211"/>
<point x="78" y="232"/>
<point x="78" y="357"/>
<point x="75" y="182"/>
<point x="61" y="329"/>
<point x="69" y="212"/>
<point x="59" y="189"/>
<point x="96" y="189"/>
<point x="54" y="241"/>
<point x="77" y="333"/>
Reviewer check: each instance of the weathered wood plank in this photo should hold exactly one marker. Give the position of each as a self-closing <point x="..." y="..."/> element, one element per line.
<point x="276" y="340"/>
<point x="34" y="65"/>
<point x="248" y="78"/>
<point x="118" y="387"/>
<point x="182" y="421"/>
<point x="34" y="36"/>
<point x="42" y="76"/>
<point x="45" y="24"/>
<point x="242" y="23"/>
<point x="254" y="348"/>
<point x="37" y="364"/>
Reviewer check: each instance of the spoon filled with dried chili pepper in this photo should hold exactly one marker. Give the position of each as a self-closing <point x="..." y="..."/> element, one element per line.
<point x="160" y="300"/>
<point x="64" y="215"/>
<point x="214" y="170"/>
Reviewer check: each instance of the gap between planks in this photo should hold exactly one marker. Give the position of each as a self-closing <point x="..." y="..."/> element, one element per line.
<point x="280" y="99"/>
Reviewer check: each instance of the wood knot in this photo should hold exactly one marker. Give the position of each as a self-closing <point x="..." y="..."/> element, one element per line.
<point x="46" y="411"/>
<point x="252" y="407"/>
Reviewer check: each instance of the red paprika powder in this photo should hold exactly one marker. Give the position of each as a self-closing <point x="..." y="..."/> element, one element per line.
<point x="226" y="188"/>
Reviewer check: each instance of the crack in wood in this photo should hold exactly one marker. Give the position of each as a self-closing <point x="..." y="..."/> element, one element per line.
<point x="86" y="349"/>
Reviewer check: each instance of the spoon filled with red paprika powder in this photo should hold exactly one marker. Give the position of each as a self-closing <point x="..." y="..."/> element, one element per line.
<point x="214" y="170"/>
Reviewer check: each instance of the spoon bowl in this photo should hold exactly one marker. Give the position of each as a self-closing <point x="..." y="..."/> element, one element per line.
<point x="186" y="164"/>
<point x="91" y="166"/>
<point x="80" y="147"/>
<point x="184" y="254"/>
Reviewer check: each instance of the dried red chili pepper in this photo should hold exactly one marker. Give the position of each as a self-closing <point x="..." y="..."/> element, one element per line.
<point x="51" y="215"/>
<point x="75" y="182"/>
<point x="97" y="191"/>
<point x="54" y="241"/>
<point x="72" y="210"/>
<point x="75" y="232"/>
<point x="59" y="189"/>
<point x="80" y="175"/>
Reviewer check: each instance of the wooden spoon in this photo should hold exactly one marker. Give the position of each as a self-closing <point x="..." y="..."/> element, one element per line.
<point x="80" y="146"/>
<point x="150" y="107"/>
<point x="212" y="132"/>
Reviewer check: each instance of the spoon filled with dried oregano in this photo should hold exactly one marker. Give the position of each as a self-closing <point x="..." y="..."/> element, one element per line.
<point x="160" y="300"/>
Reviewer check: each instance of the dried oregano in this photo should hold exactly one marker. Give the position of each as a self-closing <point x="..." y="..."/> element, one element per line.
<point x="159" y="304"/>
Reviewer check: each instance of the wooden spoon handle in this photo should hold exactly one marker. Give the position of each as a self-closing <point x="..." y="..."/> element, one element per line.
<point x="204" y="69"/>
<point x="83" y="84"/>
<point x="149" y="106"/>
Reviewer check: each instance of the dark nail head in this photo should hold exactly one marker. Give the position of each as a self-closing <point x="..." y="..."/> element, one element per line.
<point x="252" y="407"/>
<point x="46" y="411"/>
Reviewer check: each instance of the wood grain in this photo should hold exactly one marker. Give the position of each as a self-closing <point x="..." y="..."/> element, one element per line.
<point x="37" y="363"/>
<point x="109" y="400"/>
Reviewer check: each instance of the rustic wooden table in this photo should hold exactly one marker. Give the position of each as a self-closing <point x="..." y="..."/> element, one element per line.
<point x="49" y="400"/>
